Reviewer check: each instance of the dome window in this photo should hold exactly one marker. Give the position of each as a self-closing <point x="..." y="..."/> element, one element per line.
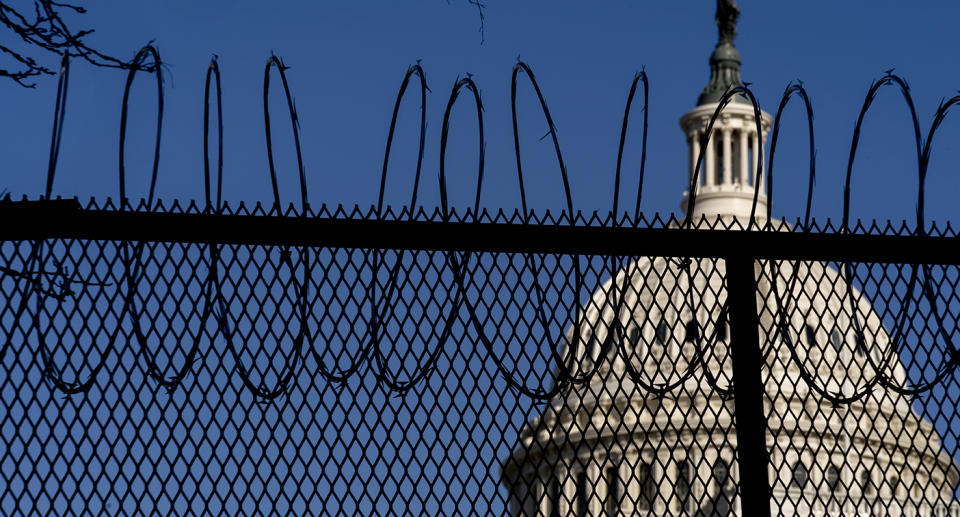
<point x="832" y="477"/>
<point x="583" y="498"/>
<point x="692" y="331"/>
<point x="721" y="478"/>
<point x="648" y="487"/>
<point x="810" y="335"/>
<point x="836" y="339"/>
<point x="613" y="491"/>
<point x="683" y="486"/>
<point x="662" y="332"/>
<point x="799" y="478"/>
<point x="554" y="496"/>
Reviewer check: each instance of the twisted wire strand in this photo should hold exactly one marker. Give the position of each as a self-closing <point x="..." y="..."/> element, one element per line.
<point x="889" y="356"/>
<point x="892" y="353"/>
<point x="618" y="296"/>
<point x="612" y="266"/>
<point x="463" y="265"/>
<point x="59" y="115"/>
<point x="616" y="327"/>
<point x="698" y="359"/>
<point x="372" y="332"/>
<point x="32" y="289"/>
<point x="213" y="72"/>
<point x="291" y="360"/>
<point x="564" y="366"/>
<point x="791" y="90"/>
<point x="954" y="360"/>
<point x="513" y="378"/>
<point x="133" y="266"/>
<point x="782" y="326"/>
<point x="564" y="379"/>
<point x="949" y="366"/>
<point x="699" y="349"/>
<point x="379" y="313"/>
<point x="52" y="374"/>
<point x="425" y="369"/>
<point x="211" y="289"/>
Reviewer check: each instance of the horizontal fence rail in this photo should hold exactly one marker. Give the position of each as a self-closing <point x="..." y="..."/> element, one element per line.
<point x="65" y="219"/>
<point x="343" y="362"/>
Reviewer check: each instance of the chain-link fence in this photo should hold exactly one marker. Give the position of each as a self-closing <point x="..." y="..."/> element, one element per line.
<point x="172" y="361"/>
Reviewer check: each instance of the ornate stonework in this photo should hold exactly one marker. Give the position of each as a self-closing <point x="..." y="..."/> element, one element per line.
<point x="726" y="180"/>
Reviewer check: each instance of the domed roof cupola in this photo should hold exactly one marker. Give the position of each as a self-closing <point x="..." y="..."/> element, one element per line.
<point x="725" y="60"/>
<point x="726" y="180"/>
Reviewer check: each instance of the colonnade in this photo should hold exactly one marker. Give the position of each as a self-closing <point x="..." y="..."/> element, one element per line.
<point x="647" y="484"/>
<point x="723" y="141"/>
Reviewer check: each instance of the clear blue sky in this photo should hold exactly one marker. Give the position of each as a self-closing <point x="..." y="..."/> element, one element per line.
<point x="347" y="60"/>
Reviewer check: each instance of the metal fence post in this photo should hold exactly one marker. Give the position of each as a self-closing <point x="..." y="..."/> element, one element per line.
<point x="749" y="417"/>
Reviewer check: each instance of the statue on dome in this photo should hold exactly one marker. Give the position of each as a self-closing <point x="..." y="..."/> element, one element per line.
<point x="727" y="13"/>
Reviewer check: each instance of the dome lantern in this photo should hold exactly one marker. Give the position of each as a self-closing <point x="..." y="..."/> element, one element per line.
<point x="725" y="60"/>
<point x="726" y="179"/>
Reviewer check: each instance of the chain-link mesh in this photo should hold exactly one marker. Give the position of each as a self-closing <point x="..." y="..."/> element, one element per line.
<point x="861" y="396"/>
<point x="183" y="377"/>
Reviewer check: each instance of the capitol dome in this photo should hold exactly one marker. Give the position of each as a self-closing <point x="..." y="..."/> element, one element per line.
<point x="616" y="445"/>
<point x="625" y="448"/>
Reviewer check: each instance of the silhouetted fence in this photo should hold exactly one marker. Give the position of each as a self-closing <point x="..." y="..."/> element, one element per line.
<point x="330" y="361"/>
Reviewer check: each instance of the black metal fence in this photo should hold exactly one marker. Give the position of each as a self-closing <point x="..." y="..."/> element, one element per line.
<point x="172" y="361"/>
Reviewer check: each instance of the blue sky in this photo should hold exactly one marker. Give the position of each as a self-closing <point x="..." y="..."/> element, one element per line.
<point x="347" y="60"/>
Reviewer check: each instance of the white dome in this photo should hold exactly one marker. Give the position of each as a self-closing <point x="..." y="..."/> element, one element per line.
<point x="613" y="423"/>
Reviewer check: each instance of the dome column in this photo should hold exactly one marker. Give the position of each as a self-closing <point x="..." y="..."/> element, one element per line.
<point x="727" y="156"/>
<point x="733" y="151"/>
